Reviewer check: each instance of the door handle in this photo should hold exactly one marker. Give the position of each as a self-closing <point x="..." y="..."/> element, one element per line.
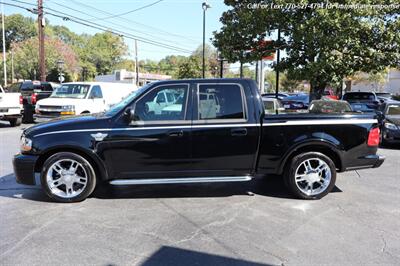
<point x="178" y="133"/>
<point x="242" y="131"/>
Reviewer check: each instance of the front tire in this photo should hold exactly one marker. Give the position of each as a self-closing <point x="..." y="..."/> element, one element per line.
<point x="68" y="177"/>
<point x="311" y="175"/>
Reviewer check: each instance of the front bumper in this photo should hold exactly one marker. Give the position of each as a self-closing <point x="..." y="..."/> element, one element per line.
<point x="24" y="168"/>
<point x="44" y="118"/>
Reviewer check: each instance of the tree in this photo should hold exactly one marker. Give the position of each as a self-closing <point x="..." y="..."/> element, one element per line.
<point x="104" y="51"/>
<point x="17" y="29"/>
<point x="323" y="45"/>
<point x="190" y="68"/>
<point x="26" y="58"/>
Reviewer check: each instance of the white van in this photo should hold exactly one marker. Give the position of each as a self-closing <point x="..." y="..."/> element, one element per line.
<point x="76" y="98"/>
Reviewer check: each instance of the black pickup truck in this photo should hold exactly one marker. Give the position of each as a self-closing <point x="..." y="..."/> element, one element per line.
<point x="31" y="92"/>
<point x="209" y="130"/>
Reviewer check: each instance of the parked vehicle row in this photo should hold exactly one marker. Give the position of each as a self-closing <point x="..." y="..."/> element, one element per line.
<point x="77" y="98"/>
<point x="390" y="126"/>
<point x="10" y="107"/>
<point x="218" y="131"/>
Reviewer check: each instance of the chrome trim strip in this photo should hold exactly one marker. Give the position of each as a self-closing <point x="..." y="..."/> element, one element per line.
<point x="287" y="123"/>
<point x="322" y="122"/>
<point x="148" y="128"/>
<point x="182" y="180"/>
<point x="358" y="167"/>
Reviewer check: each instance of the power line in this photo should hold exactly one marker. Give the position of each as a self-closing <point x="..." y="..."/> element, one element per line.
<point x="113" y="23"/>
<point x="68" y="17"/>
<point x="131" y="11"/>
<point x="134" y="22"/>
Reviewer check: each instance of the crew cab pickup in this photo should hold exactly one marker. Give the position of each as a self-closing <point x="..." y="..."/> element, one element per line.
<point x="10" y="108"/>
<point x="194" y="142"/>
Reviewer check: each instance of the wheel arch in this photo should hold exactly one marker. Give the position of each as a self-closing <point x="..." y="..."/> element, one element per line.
<point x="325" y="148"/>
<point x="99" y="168"/>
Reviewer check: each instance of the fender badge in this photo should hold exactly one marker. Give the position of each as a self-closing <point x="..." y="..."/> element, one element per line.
<point x="99" y="136"/>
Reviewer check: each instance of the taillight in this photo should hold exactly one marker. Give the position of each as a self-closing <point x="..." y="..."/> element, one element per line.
<point x="373" y="137"/>
<point x="21" y="99"/>
<point x="33" y="98"/>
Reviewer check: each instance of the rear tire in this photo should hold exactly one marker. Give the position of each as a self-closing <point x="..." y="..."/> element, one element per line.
<point x="310" y="175"/>
<point x="14" y="122"/>
<point x="68" y="177"/>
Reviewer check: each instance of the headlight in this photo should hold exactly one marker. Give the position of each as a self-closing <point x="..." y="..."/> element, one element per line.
<point x="68" y="107"/>
<point x="26" y="144"/>
<point x="390" y="126"/>
<point x="68" y="110"/>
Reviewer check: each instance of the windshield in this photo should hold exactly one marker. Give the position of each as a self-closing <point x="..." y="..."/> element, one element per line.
<point x="299" y="97"/>
<point x="119" y="106"/>
<point x="393" y="110"/>
<point x="359" y="96"/>
<point x="76" y="91"/>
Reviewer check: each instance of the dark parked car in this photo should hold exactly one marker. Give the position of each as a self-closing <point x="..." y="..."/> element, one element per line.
<point x="31" y="92"/>
<point x="390" y="129"/>
<point x="281" y="96"/>
<point x="386" y="95"/>
<point x="362" y="101"/>
<point x="295" y="102"/>
<point x="329" y="107"/>
<point x="202" y="141"/>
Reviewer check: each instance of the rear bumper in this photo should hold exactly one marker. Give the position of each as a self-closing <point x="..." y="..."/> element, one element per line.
<point x="369" y="161"/>
<point x="24" y="168"/>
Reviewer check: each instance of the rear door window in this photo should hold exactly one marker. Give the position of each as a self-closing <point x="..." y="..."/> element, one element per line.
<point x="220" y="102"/>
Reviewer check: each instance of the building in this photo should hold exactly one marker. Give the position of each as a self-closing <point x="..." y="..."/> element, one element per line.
<point x="390" y="84"/>
<point x="125" y="76"/>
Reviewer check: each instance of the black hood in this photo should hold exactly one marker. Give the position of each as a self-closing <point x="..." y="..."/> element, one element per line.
<point x="69" y="123"/>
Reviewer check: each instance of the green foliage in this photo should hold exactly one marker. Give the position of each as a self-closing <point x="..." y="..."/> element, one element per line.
<point x="190" y="68"/>
<point x="322" y="45"/>
<point x="17" y="29"/>
<point x="26" y="57"/>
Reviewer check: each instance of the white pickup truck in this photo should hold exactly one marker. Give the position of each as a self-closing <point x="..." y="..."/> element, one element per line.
<point x="10" y="107"/>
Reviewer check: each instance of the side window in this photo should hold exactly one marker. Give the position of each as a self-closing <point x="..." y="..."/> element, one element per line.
<point x="160" y="97"/>
<point x="220" y="102"/>
<point x="154" y="106"/>
<point x="96" y="93"/>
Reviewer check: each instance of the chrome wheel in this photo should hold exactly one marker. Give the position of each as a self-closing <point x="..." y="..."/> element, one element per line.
<point x="313" y="176"/>
<point x="66" y="178"/>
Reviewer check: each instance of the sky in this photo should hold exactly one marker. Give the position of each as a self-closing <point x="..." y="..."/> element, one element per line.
<point x="174" y="22"/>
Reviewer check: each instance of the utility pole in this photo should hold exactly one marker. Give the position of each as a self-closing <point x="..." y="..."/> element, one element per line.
<point x="4" y="45"/>
<point x="136" y="64"/>
<point x="42" y="63"/>
<point x="12" y="66"/>
<point x="278" y="58"/>
<point x="205" y="6"/>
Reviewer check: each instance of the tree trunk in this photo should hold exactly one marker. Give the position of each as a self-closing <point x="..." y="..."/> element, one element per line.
<point x="316" y="91"/>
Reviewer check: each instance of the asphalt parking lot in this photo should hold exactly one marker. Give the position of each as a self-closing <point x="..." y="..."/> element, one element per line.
<point x="254" y="223"/>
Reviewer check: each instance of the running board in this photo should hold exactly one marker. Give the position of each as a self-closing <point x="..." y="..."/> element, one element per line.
<point x="182" y="180"/>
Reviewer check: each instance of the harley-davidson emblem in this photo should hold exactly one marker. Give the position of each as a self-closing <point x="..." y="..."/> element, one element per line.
<point x="99" y="136"/>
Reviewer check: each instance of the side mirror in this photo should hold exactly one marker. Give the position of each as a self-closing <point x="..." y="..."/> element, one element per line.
<point x="130" y="114"/>
<point x="380" y="116"/>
